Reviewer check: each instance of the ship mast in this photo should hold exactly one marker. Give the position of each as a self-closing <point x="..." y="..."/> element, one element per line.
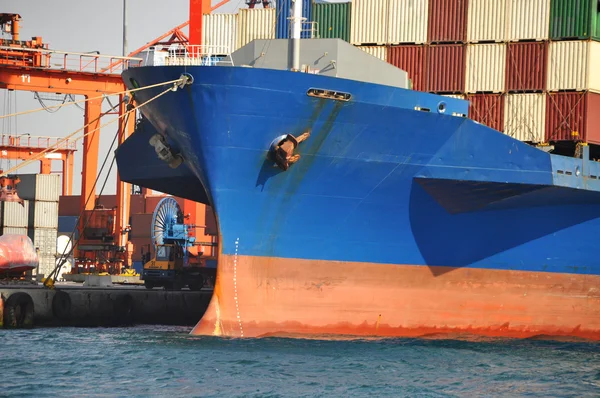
<point x="295" y="36"/>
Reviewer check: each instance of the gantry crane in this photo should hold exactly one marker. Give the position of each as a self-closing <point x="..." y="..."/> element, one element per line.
<point x="32" y="66"/>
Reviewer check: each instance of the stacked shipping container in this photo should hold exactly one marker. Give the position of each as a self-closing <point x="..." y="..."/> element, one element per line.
<point x="516" y="60"/>
<point x="41" y="191"/>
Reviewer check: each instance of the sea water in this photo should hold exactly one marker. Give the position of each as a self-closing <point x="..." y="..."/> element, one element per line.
<point x="166" y="361"/>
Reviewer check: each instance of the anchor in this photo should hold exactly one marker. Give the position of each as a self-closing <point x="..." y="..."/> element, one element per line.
<point x="282" y="150"/>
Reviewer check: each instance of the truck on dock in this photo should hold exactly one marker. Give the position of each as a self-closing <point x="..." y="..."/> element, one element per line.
<point x="176" y="262"/>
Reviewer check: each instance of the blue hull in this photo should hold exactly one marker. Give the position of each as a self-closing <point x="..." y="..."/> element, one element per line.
<point x="377" y="181"/>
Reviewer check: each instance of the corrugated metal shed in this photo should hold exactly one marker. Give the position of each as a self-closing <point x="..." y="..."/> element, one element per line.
<point x="487" y="20"/>
<point x="447" y="21"/>
<point x="526" y="66"/>
<point x="486" y="65"/>
<point x="13" y="214"/>
<point x="528" y="20"/>
<point x="283" y="10"/>
<point x="487" y="109"/>
<point x="574" y="19"/>
<point x="573" y="116"/>
<point x="219" y="31"/>
<point x="333" y="20"/>
<point x="525" y="117"/>
<point x="43" y="214"/>
<point x="410" y="58"/>
<point x="369" y="22"/>
<point x="574" y="65"/>
<point x="407" y="21"/>
<point x="445" y="68"/>
<point x="258" y="23"/>
<point x="39" y="187"/>
<point x="380" y="52"/>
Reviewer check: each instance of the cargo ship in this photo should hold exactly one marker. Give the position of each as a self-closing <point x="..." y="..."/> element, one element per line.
<point x="349" y="204"/>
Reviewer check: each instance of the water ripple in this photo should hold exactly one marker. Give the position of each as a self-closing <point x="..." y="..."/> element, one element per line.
<point x="165" y="361"/>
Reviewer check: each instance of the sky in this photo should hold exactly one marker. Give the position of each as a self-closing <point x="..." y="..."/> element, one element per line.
<point x="83" y="26"/>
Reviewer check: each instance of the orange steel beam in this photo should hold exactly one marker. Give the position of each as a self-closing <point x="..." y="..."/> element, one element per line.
<point x="67" y="183"/>
<point x="175" y="33"/>
<point x="222" y="3"/>
<point x="58" y="81"/>
<point x="91" y="142"/>
<point x="197" y="9"/>
<point x="123" y="189"/>
<point x="11" y="152"/>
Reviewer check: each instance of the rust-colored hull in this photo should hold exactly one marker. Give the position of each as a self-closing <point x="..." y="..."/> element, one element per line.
<point x="257" y="296"/>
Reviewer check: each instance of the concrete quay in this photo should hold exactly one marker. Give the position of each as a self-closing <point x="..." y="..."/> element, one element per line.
<point x="70" y="304"/>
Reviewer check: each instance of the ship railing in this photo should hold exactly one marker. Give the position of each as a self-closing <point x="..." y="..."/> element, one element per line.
<point x="204" y="55"/>
<point x="309" y="27"/>
<point x="90" y="62"/>
<point x="26" y="140"/>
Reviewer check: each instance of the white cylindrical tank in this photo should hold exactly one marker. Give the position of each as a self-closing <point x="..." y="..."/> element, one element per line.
<point x="63" y="245"/>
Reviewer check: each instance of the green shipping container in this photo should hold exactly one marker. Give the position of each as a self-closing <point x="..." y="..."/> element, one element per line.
<point x="575" y="19"/>
<point x="333" y="20"/>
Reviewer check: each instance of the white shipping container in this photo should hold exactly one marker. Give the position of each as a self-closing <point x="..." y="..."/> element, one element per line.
<point x="486" y="68"/>
<point x="14" y="231"/>
<point x="380" y="52"/>
<point x="529" y="20"/>
<point x="573" y="65"/>
<point x="13" y="214"/>
<point x="219" y="33"/>
<point x="407" y="21"/>
<point x="44" y="240"/>
<point x="43" y="214"/>
<point x="487" y="20"/>
<point x="525" y="117"/>
<point x="257" y="23"/>
<point x="47" y="264"/>
<point x="457" y="96"/>
<point x="368" y="23"/>
<point x="39" y="187"/>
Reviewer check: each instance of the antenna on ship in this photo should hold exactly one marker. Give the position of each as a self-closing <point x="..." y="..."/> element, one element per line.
<point x="296" y="20"/>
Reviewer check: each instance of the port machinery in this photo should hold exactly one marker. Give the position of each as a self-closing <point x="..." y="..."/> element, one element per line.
<point x="30" y="65"/>
<point x="177" y="262"/>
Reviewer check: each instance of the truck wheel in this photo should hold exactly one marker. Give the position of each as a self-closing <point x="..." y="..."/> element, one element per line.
<point x="149" y="285"/>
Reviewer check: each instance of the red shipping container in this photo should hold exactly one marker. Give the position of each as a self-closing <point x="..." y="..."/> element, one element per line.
<point x="447" y="21"/>
<point x="410" y="58"/>
<point x="573" y="116"/>
<point x="69" y="205"/>
<point x="211" y="222"/>
<point x="487" y="109"/>
<point x="526" y="66"/>
<point x="137" y="203"/>
<point x="138" y="245"/>
<point x="140" y="226"/>
<point x="152" y="202"/>
<point x="445" y="68"/>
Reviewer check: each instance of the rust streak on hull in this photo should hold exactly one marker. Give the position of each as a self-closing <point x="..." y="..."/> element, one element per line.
<point x="258" y="296"/>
